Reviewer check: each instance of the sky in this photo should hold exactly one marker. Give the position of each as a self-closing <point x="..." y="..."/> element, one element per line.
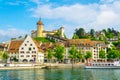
<point x="19" y="17"/>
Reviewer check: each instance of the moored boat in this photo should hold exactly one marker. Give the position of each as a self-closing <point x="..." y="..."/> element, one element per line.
<point x="103" y="65"/>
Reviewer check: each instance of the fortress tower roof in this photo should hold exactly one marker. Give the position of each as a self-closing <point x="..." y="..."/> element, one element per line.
<point x="40" y="22"/>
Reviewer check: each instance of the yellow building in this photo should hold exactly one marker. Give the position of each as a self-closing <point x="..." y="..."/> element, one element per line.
<point x="40" y="32"/>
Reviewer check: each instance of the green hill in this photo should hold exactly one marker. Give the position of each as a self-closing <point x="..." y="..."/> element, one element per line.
<point x="43" y="39"/>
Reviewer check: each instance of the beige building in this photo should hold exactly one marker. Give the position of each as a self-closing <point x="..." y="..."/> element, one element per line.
<point x="40" y="32"/>
<point x="3" y="47"/>
<point x="26" y="51"/>
<point x="85" y="45"/>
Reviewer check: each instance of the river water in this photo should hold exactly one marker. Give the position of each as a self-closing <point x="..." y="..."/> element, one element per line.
<point x="60" y="74"/>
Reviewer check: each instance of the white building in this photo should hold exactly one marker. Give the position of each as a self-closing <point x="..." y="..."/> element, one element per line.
<point x="27" y="50"/>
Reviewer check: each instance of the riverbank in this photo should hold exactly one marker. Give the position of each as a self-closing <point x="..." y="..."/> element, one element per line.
<point x="50" y="65"/>
<point x="27" y="67"/>
<point x="45" y="65"/>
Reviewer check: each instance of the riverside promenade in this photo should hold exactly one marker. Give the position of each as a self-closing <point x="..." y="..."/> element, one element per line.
<point x="57" y="65"/>
<point x="45" y="65"/>
<point x="15" y="68"/>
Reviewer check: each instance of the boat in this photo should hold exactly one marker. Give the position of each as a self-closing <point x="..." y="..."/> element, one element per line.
<point x="103" y="65"/>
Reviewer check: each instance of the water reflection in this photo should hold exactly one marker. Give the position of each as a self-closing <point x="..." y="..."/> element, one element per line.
<point x="60" y="74"/>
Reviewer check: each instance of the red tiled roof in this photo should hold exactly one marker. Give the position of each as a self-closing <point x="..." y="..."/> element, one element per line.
<point x="14" y="46"/>
<point x="79" y="42"/>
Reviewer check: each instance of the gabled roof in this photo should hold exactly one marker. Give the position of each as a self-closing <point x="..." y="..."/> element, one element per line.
<point x="14" y="46"/>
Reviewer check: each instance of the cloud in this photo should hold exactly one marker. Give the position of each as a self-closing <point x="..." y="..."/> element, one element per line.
<point x="108" y="1"/>
<point x="16" y="3"/>
<point x="75" y="13"/>
<point x="36" y="1"/>
<point x="11" y="33"/>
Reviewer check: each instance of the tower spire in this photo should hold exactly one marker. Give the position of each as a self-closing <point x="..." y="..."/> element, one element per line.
<point x="40" y="22"/>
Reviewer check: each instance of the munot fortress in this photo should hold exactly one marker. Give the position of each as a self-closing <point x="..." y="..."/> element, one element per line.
<point x="40" y="32"/>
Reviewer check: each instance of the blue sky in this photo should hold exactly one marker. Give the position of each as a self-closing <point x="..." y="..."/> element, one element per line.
<point x="19" y="17"/>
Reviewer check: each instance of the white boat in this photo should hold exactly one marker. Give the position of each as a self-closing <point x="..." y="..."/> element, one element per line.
<point x="103" y="65"/>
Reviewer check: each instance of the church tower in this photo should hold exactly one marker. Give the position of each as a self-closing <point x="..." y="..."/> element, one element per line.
<point x="40" y="27"/>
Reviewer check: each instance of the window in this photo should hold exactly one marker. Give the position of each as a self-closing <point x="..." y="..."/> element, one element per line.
<point x="22" y="48"/>
<point x="21" y="51"/>
<point x="33" y="47"/>
<point x="29" y="49"/>
<point x="33" y="51"/>
<point x="22" y="55"/>
<point x="33" y="55"/>
<point x="27" y="55"/>
<point x="27" y="52"/>
<point x="27" y="41"/>
<point x="30" y="44"/>
<point x="25" y="44"/>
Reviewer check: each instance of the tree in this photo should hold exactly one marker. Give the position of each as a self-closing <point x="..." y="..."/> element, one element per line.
<point x="88" y="55"/>
<point x="73" y="53"/>
<point x="1" y="53"/>
<point x="50" y="54"/>
<point x="75" y="36"/>
<point x="109" y="30"/>
<point x="112" y="54"/>
<point x="80" y="32"/>
<point x="92" y="32"/>
<point x="5" y="56"/>
<point x="102" y="54"/>
<point x="104" y="30"/>
<point x="15" y="59"/>
<point x="59" y="52"/>
<point x="79" y="55"/>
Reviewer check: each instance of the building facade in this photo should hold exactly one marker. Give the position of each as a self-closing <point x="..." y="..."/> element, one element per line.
<point x="26" y="51"/>
<point x="13" y="49"/>
<point x="85" y="45"/>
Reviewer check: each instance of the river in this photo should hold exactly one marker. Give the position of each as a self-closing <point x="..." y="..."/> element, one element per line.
<point x="60" y="74"/>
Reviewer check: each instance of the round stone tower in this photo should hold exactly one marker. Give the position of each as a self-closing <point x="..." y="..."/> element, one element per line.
<point x="62" y="31"/>
<point x="40" y="27"/>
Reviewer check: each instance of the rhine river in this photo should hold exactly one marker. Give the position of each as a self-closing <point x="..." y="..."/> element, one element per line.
<point x="60" y="74"/>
